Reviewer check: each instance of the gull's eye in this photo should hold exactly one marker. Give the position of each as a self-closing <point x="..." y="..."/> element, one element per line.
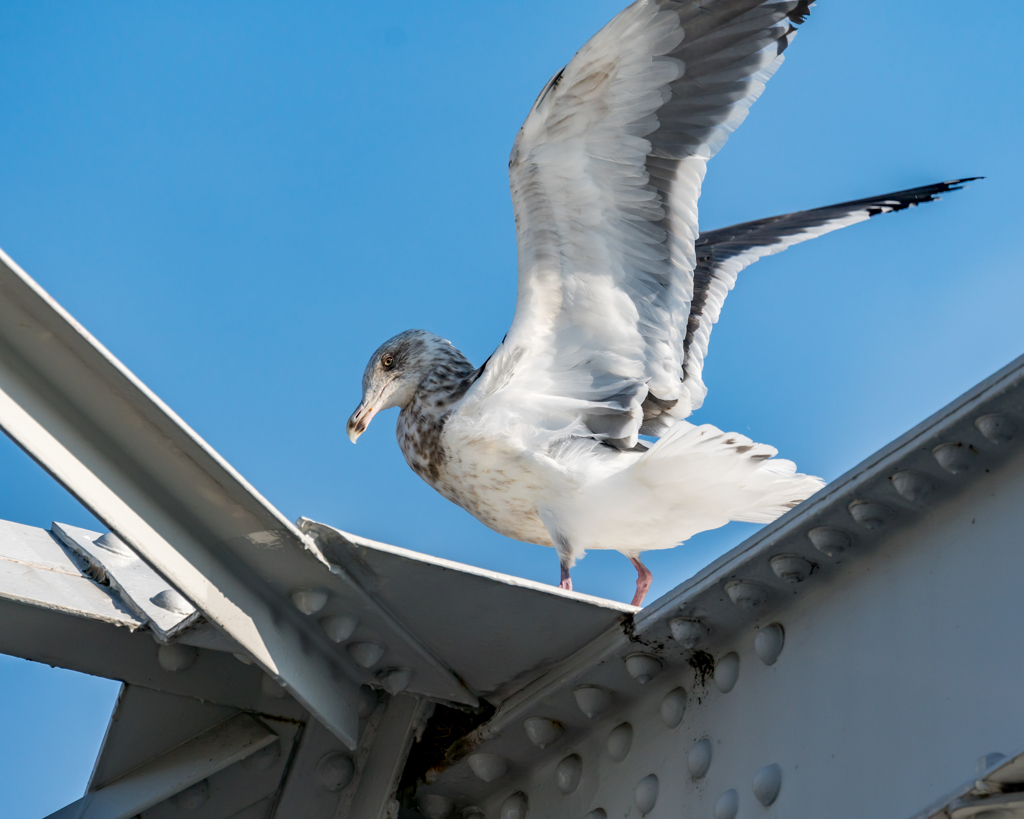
<point x="388" y="361"/>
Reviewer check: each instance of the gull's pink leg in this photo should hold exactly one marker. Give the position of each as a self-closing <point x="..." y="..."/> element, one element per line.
<point x="643" y="580"/>
<point x="566" y="580"/>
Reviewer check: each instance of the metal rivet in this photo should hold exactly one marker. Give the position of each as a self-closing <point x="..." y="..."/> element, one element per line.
<point x="339" y="627"/>
<point x="112" y="543"/>
<point x="473" y="812"/>
<point x="996" y="428"/>
<point x="488" y="767"/>
<point x="264" y="759"/>
<point x="768" y="643"/>
<point x="597" y="813"/>
<point x="395" y="680"/>
<point x="435" y="806"/>
<point x="954" y="457"/>
<point x="673" y="706"/>
<point x="192" y="798"/>
<point x="542" y="732"/>
<point x="515" y="807"/>
<point x="309" y="601"/>
<point x="334" y="771"/>
<point x="745" y="594"/>
<point x="727" y="805"/>
<point x="245" y="659"/>
<point x="869" y="514"/>
<point x="983" y="763"/>
<point x="688" y="633"/>
<point x="646" y="794"/>
<point x="727" y="672"/>
<point x="643" y="667"/>
<point x="176" y="657"/>
<point x="568" y="773"/>
<point x="620" y="740"/>
<point x="172" y="601"/>
<point x="271" y="688"/>
<point x="829" y="541"/>
<point x="365" y="654"/>
<point x="592" y="700"/>
<point x="767" y="783"/>
<point x="698" y="758"/>
<point x="791" y="568"/>
<point x="913" y="486"/>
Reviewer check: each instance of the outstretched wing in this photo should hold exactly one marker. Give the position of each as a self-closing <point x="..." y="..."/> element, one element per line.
<point x="605" y="176"/>
<point x="723" y="253"/>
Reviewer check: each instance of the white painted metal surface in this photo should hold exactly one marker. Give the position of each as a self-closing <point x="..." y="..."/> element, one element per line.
<point x="249" y="787"/>
<point x="374" y="795"/>
<point x="529" y="628"/>
<point x="322" y="772"/>
<point x="147" y="594"/>
<point x="153" y="716"/>
<point x="897" y="658"/>
<point x="995" y="792"/>
<point x="146" y="724"/>
<point x="170" y="774"/>
<point x="853" y="659"/>
<point x="35" y="570"/>
<point x="53" y="613"/>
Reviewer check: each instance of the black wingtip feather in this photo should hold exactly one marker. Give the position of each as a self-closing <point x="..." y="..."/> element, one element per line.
<point x="801" y="12"/>
<point x="926" y="193"/>
<point x="959" y="183"/>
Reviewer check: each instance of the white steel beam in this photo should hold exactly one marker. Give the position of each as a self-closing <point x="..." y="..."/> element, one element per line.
<point x="127" y="457"/>
<point x="35" y="571"/>
<point x="172" y="772"/>
<point x="320" y="774"/>
<point x="374" y="794"/>
<point x="51" y="613"/>
<point x="81" y="642"/>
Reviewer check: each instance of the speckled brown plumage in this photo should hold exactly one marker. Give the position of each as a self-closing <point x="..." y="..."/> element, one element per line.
<point x="448" y="374"/>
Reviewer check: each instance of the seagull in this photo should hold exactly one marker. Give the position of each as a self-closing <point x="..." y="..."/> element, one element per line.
<point x="573" y="433"/>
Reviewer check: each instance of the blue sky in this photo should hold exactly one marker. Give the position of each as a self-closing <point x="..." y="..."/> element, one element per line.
<point x="242" y="200"/>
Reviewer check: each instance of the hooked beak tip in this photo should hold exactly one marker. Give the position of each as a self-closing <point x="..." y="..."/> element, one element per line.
<point x="358" y="423"/>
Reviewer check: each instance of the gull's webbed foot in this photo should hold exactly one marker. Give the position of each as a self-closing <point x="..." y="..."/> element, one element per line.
<point x="566" y="581"/>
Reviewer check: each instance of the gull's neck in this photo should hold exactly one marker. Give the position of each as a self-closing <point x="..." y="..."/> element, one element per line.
<point x="422" y="420"/>
<point x="450" y="374"/>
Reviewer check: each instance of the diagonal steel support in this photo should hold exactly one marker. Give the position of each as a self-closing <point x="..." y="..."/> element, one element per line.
<point x="113" y="444"/>
<point x="374" y="794"/>
<point x="172" y="772"/>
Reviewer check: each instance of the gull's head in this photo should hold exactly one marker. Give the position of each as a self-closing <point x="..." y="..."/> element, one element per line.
<point x="393" y="374"/>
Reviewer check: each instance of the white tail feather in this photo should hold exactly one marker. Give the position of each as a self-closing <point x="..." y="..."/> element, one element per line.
<point x="694" y="479"/>
<point x="741" y="477"/>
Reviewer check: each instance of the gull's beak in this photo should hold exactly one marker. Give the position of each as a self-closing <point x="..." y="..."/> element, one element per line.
<point x="359" y="421"/>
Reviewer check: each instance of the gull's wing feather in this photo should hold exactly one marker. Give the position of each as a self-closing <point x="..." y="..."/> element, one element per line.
<point x="605" y="176"/>
<point x="723" y="253"/>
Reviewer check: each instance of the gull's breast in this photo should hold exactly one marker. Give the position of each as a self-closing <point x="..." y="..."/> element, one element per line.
<point x="496" y="481"/>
